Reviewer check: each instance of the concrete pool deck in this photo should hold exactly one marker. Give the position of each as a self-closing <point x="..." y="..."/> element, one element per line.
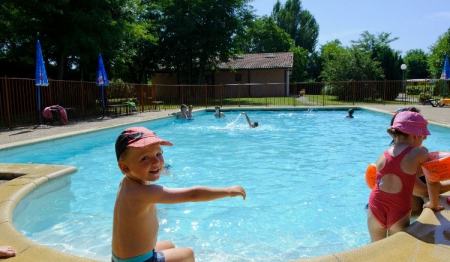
<point x="427" y="239"/>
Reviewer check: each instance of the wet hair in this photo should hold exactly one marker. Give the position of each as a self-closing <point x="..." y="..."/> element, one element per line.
<point x="255" y="124"/>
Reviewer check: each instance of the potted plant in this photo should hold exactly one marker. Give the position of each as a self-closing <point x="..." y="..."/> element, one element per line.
<point x="423" y="97"/>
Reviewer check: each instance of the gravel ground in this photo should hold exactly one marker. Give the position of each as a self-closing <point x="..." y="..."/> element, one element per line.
<point x="29" y="134"/>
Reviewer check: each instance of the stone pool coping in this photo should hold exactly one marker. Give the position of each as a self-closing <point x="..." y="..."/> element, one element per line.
<point x="428" y="238"/>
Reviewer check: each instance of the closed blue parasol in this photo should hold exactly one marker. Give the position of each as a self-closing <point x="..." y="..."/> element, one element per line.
<point x="102" y="80"/>
<point x="41" y="76"/>
<point x="445" y="74"/>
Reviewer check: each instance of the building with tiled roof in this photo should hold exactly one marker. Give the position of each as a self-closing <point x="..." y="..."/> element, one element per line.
<point x="260" y="61"/>
<point x="255" y="69"/>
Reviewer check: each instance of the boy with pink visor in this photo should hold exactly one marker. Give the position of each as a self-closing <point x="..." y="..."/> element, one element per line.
<point x="135" y="221"/>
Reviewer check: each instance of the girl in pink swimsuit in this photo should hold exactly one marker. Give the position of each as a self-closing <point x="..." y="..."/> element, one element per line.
<point x="397" y="170"/>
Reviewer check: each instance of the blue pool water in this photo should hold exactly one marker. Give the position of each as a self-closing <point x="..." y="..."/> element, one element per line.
<point x="303" y="172"/>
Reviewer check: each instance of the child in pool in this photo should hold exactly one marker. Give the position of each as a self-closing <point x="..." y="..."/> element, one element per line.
<point x="189" y="115"/>
<point x="252" y="125"/>
<point x="350" y="113"/>
<point x="135" y="222"/>
<point x="218" y="113"/>
<point x="397" y="168"/>
<point x="182" y="114"/>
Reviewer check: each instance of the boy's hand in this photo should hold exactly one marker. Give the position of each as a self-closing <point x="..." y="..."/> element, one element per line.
<point x="428" y="205"/>
<point x="237" y="191"/>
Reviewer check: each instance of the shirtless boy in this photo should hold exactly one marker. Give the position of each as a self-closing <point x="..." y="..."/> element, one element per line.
<point x="135" y="222"/>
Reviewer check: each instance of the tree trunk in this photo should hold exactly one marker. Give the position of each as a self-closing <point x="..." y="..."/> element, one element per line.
<point x="61" y="66"/>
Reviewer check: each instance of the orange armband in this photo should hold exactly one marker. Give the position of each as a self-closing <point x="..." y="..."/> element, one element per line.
<point x="438" y="168"/>
<point x="371" y="175"/>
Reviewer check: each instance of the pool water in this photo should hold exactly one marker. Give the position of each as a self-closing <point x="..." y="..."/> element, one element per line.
<point x="303" y="172"/>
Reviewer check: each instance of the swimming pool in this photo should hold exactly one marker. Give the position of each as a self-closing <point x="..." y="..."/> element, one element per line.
<point x="303" y="172"/>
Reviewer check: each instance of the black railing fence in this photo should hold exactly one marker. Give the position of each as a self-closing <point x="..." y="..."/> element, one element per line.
<point x="19" y="97"/>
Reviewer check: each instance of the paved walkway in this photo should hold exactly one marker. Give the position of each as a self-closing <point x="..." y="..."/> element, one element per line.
<point x="18" y="136"/>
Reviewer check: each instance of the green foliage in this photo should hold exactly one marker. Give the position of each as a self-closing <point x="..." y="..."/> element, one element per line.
<point x="196" y="35"/>
<point x="265" y="36"/>
<point x="300" y="24"/>
<point x="417" y="62"/>
<point x="417" y="89"/>
<point x="72" y="33"/>
<point x="379" y="47"/>
<point x="351" y="64"/>
<point x="439" y="51"/>
<point x="424" y="97"/>
<point x="299" y="73"/>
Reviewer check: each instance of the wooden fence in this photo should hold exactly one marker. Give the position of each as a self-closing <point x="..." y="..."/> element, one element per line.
<point x="19" y="97"/>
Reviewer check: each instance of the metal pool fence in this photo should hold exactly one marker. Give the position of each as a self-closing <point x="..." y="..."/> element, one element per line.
<point x="19" y="105"/>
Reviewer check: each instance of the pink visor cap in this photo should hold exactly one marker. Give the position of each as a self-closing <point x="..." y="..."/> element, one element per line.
<point x="137" y="137"/>
<point x="411" y="123"/>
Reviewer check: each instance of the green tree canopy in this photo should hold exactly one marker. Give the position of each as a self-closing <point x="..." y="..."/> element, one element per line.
<point x="299" y="73"/>
<point x="379" y="48"/>
<point x="72" y="33"/>
<point x="352" y="64"/>
<point x="195" y="35"/>
<point x="417" y="62"/>
<point x="265" y="36"/>
<point x="300" y="24"/>
<point x="439" y="50"/>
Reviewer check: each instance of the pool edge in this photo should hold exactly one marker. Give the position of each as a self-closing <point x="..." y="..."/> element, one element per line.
<point x="11" y="193"/>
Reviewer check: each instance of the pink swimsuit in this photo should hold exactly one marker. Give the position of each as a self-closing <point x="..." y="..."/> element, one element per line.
<point x="386" y="207"/>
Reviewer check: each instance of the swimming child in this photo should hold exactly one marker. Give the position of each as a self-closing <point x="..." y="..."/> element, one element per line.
<point x="182" y="114"/>
<point x="135" y="222"/>
<point x="189" y="115"/>
<point x="218" y="113"/>
<point x="252" y="125"/>
<point x="350" y="113"/>
<point x="397" y="170"/>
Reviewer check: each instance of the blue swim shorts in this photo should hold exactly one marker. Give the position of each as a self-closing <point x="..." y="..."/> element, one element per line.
<point x="152" y="256"/>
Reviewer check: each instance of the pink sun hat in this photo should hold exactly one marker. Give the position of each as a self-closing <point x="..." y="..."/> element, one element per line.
<point x="411" y="123"/>
<point x="137" y="137"/>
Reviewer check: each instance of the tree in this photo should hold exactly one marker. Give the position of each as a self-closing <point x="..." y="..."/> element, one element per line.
<point x="379" y="48"/>
<point x="265" y="36"/>
<point x="417" y="62"/>
<point x="196" y="35"/>
<point x="139" y="56"/>
<point x="439" y="50"/>
<point x="72" y="33"/>
<point x="298" y="23"/>
<point x="331" y="50"/>
<point x="353" y="64"/>
<point x="299" y="73"/>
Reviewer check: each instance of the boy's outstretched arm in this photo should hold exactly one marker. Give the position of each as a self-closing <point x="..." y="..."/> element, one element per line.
<point x="195" y="194"/>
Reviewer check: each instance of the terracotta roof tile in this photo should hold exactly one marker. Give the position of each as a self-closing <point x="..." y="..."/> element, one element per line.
<point x="259" y="61"/>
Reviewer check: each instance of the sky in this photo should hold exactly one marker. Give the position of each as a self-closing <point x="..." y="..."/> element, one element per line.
<point x="417" y="23"/>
